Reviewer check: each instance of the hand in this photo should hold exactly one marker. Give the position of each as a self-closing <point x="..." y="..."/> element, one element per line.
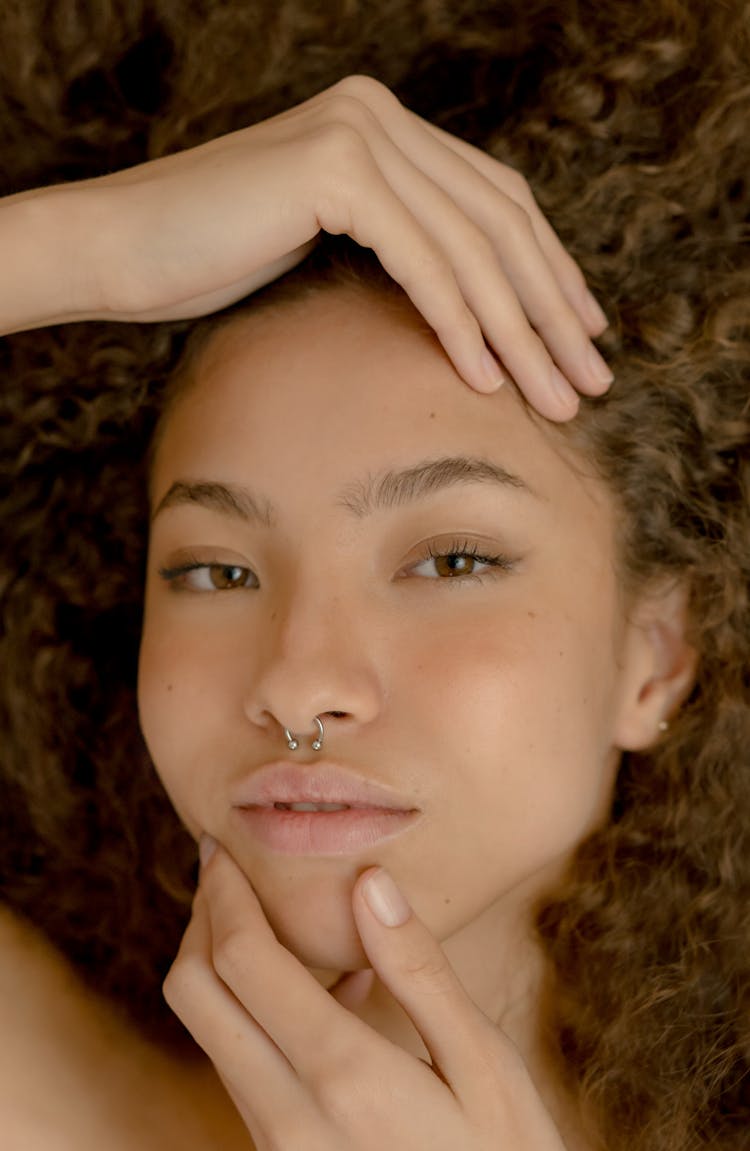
<point x="307" y="1075"/>
<point x="193" y="232"/>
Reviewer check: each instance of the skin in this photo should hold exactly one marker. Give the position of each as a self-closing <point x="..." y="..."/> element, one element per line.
<point x="489" y="701"/>
<point x="495" y="702"/>
<point x="458" y="230"/>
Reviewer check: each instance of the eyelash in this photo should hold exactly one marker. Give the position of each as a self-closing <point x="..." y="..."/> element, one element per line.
<point x="175" y="576"/>
<point x="465" y="548"/>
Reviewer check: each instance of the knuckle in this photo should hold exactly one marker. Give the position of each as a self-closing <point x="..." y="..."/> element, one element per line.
<point x="427" y="269"/>
<point x="340" y="146"/>
<point x="334" y="1079"/>
<point x="429" y="972"/>
<point x="465" y="326"/>
<point x="503" y="1062"/>
<point x="520" y="219"/>
<point x="344" y="1093"/>
<point x="478" y="249"/>
<point x="428" y="265"/>
<point x="366" y="90"/>
<point x="517" y="187"/>
<point x="180" y="981"/>
<point x="171" y="987"/>
<point x="229" y="954"/>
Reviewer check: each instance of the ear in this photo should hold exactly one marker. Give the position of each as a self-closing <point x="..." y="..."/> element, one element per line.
<point x="658" y="667"/>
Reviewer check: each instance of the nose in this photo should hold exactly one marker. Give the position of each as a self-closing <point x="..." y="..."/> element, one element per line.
<point x="313" y="663"/>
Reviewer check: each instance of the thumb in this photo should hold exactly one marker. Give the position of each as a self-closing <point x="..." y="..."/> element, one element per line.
<point x="411" y="963"/>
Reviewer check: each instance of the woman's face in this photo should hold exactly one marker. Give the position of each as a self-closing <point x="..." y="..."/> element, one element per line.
<point x="342" y="529"/>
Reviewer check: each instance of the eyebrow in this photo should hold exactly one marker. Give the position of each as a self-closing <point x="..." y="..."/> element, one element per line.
<point x="395" y="488"/>
<point x="229" y="499"/>
<point x="375" y="493"/>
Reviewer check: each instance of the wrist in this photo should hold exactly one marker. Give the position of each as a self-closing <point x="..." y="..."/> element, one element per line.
<point x="49" y="260"/>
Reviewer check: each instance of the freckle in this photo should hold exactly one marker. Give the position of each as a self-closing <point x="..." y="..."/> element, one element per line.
<point x="432" y="415"/>
<point x="531" y="614"/>
<point x="447" y="899"/>
<point x="169" y="687"/>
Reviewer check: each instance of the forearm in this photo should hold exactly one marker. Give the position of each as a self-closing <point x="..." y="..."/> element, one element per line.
<point x="191" y="233"/>
<point x="47" y="258"/>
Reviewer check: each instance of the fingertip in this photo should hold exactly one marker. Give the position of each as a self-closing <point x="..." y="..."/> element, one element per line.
<point x="599" y="370"/>
<point x="594" y="315"/>
<point x="206" y="849"/>
<point x="565" y="399"/>
<point x="491" y="375"/>
<point x="384" y="898"/>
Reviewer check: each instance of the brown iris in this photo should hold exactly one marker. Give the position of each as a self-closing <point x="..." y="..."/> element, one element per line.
<point x="454" y="565"/>
<point x="224" y="576"/>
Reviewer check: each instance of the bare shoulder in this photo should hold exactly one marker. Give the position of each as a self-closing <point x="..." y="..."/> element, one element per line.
<point x="72" y="1075"/>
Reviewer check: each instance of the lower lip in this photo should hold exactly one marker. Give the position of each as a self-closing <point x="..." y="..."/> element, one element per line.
<point x="324" y="832"/>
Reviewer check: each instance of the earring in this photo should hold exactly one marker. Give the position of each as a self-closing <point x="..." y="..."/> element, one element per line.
<point x="663" y="725"/>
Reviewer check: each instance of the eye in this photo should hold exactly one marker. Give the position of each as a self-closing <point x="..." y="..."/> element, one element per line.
<point x="459" y="559"/>
<point x="202" y="577"/>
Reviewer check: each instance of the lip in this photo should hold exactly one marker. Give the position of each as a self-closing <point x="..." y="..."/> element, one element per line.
<point x="372" y="812"/>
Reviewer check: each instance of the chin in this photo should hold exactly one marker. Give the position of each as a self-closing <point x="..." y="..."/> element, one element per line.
<point x="311" y="915"/>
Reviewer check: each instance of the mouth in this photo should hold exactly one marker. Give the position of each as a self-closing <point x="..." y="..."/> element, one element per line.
<point x="325" y="807"/>
<point x="320" y="809"/>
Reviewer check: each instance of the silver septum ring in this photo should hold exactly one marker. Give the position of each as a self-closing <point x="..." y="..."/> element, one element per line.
<point x="293" y="742"/>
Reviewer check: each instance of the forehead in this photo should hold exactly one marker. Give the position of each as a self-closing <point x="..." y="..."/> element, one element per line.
<point x="317" y="393"/>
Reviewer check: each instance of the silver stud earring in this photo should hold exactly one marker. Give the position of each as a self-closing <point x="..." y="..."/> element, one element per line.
<point x="663" y="725"/>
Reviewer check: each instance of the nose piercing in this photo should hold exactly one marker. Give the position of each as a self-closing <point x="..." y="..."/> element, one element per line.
<point x="317" y="743"/>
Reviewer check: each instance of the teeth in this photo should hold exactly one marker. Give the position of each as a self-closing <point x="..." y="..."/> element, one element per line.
<point x="311" y="806"/>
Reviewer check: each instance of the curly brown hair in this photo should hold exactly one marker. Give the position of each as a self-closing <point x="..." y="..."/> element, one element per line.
<point x="630" y="122"/>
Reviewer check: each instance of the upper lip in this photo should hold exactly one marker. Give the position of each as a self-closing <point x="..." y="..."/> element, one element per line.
<point x="321" y="782"/>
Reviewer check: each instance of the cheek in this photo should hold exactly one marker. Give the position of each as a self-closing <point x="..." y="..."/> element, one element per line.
<point x="525" y="673"/>
<point x="512" y="723"/>
<point x="523" y="709"/>
<point x="183" y="707"/>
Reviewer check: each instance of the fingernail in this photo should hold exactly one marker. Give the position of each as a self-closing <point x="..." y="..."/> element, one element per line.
<point x="493" y="375"/>
<point x="594" y="313"/>
<point x="564" y="391"/>
<point x="206" y="848"/>
<point x="385" y="900"/>
<point x="600" y="371"/>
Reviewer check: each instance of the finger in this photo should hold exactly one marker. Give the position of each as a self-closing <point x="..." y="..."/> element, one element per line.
<point x="421" y="215"/>
<point x="462" y="265"/>
<point x="413" y="966"/>
<point x="527" y="270"/>
<point x="567" y="272"/>
<point x="463" y="210"/>
<point x="358" y="200"/>
<point x="314" y="1032"/>
<point x="479" y="1063"/>
<point x="414" y="136"/>
<point x="254" y="1070"/>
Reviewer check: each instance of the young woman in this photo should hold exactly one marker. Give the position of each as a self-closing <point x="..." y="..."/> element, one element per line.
<point x="510" y="652"/>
